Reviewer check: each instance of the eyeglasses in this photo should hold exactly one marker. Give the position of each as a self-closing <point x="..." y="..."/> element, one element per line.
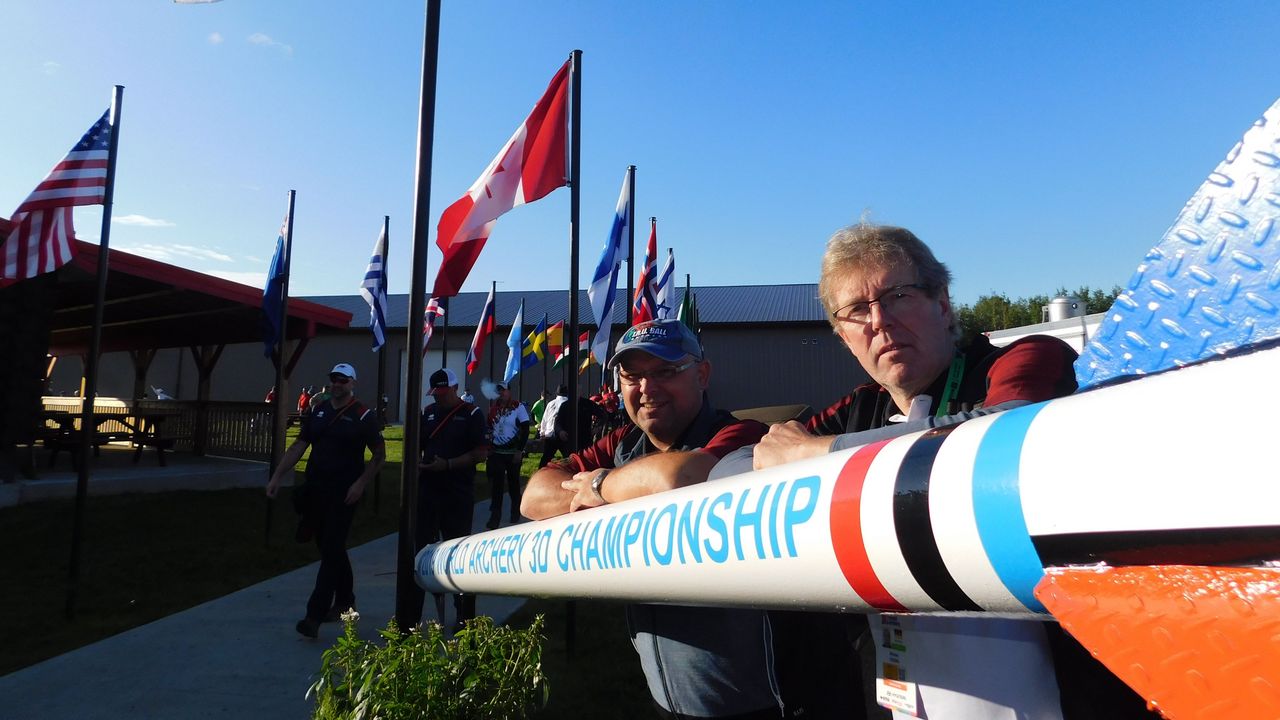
<point x="897" y="299"/>
<point x="660" y="375"/>
<point x="339" y="379"/>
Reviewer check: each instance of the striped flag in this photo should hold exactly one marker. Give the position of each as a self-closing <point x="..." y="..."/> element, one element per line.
<point x="483" y="329"/>
<point x="529" y="166"/>
<point x="374" y="290"/>
<point x="433" y="311"/>
<point x="584" y="347"/>
<point x="555" y="340"/>
<point x="604" y="286"/>
<point x="40" y="241"/>
<point x="642" y="310"/>
<point x="664" y="289"/>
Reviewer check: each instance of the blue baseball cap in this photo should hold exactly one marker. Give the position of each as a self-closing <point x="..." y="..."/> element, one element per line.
<point x="670" y="340"/>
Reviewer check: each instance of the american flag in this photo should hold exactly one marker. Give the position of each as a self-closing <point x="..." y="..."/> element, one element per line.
<point x="40" y="241"/>
<point x="433" y="311"/>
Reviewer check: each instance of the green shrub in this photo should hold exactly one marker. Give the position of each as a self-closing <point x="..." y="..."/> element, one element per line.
<point x="485" y="671"/>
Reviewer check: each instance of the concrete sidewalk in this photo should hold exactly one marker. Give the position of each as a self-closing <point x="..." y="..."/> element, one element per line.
<point x="235" y="657"/>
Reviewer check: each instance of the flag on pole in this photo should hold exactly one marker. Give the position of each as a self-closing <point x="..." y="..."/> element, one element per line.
<point x="432" y="312"/>
<point x="555" y="340"/>
<point x="40" y="240"/>
<point x="584" y="347"/>
<point x="604" y="286"/>
<point x="534" y="347"/>
<point x="642" y="308"/>
<point x="273" y="295"/>
<point x="664" y="289"/>
<point x="374" y="290"/>
<point x="529" y="166"/>
<point x="514" y="345"/>
<point x="483" y="329"/>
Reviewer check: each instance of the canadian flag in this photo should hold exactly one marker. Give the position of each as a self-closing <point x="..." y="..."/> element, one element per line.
<point x="530" y="165"/>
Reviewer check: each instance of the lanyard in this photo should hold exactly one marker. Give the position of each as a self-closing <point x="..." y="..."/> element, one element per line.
<point x="952" y="389"/>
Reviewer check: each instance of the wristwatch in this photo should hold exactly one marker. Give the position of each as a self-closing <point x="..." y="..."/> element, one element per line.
<point x="596" y="481"/>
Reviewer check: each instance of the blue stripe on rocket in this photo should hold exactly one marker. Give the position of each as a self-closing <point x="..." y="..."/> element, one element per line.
<point x="997" y="505"/>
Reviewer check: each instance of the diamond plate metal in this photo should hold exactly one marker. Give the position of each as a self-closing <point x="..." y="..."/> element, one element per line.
<point x="1199" y="643"/>
<point x="1212" y="284"/>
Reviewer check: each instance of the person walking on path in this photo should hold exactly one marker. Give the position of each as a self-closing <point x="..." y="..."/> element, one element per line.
<point x="508" y="434"/>
<point x="338" y="430"/>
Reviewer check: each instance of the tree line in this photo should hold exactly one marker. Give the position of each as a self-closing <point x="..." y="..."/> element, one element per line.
<point x="997" y="312"/>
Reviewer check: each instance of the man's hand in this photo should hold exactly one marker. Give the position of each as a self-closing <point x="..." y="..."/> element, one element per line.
<point x="788" y="442"/>
<point x="435" y="466"/>
<point x="583" y="496"/>
<point x="273" y="485"/>
<point x="354" y="492"/>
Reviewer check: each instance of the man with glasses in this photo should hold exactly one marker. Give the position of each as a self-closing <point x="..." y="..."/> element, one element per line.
<point x="888" y="299"/>
<point x="699" y="662"/>
<point x="338" y="430"/>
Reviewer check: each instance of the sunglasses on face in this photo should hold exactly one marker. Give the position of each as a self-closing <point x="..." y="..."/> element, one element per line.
<point x="660" y="375"/>
<point x="339" y="379"/>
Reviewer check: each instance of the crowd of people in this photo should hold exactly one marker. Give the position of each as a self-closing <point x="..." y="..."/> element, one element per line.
<point x="887" y="298"/>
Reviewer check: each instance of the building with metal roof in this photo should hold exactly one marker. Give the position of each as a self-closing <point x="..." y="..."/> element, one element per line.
<point x="769" y="345"/>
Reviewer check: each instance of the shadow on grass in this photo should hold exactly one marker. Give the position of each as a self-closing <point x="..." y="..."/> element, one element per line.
<point x="146" y="556"/>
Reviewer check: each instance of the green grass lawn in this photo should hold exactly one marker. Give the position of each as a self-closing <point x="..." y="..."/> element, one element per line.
<point x="146" y="556"/>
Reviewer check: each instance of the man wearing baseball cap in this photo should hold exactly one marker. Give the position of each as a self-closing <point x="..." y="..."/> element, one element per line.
<point x="699" y="662"/>
<point x="338" y="430"/>
<point x="452" y="441"/>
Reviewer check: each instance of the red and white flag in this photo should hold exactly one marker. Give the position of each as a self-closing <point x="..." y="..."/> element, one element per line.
<point x="40" y="241"/>
<point x="529" y="166"/>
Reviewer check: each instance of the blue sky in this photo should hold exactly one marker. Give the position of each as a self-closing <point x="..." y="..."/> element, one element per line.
<point x="1032" y="145"/>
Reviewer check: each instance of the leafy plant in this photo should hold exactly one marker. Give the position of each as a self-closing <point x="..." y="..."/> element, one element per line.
<point x="484" y="671"/>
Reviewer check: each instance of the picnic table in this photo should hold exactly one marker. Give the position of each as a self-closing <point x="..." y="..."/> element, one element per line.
<point x="59" y="429"/>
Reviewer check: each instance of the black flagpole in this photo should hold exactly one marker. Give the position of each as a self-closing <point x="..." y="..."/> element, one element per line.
<point x="405" y="551"/>
<point x="88" y="423"/>
<point x="631" y="241"/>
<point x="382" y="363"/>
<point x="575" y="191"/>
<point x="444" y="332"/>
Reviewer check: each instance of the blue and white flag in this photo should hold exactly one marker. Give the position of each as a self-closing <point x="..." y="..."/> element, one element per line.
<point x="665" y="293"/>
<point x="374" y="290"/>
<point x="273" y="295"/>
<point x="604" y="284"/>
<point x="515" y="341"/>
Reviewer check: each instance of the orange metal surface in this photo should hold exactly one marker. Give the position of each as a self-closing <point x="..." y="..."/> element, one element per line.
<point x="1198" y="643"/>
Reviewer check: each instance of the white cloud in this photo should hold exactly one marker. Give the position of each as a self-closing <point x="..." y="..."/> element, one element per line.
<point x="215" y="38"/>
<point x="265" y="41"/>
<point x="252" y="279"/>
<point x="51" y="67"/>
<point x="141" y="221"/>
<point x="174" y="253"/>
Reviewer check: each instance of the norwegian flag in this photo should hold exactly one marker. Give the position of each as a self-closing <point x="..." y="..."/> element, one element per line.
<point x="40" y="241"/>
<point x="646" y="303"/>
<point x="529" y="166"/>
<point x="433" y="311"/>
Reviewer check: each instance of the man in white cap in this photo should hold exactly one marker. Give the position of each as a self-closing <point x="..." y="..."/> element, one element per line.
<point x="338" y="431"/>
<point x="452" y="441"/>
